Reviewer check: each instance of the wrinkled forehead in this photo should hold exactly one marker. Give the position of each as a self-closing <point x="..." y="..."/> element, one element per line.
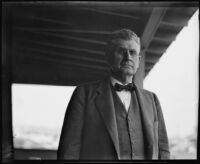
<point x="129" y="44"/>
<point x="124" y="42"/>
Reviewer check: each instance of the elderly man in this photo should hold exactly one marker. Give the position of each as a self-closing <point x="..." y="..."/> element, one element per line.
<point x="113" y="118"/>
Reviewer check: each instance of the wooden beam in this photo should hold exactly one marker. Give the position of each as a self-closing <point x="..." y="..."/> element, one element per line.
<point x="174" y="24"/>
<point x="167" y="39"/>
<point x="97" y="27"/>
<point x="100" y="53"/>
<point x="78" y="21"/>
<point x="64" y="56"/>
<point x="75" y="19"/>
<point x="78" y="63"/>
<point x="146" y="72"/>
<point x="110" y="4"/>
<point x="149" y="66"/>
<point x="96" y="36"/>
<point x="154" y="52"/>
<point x="125" y="16"/>
<point x="57" y="53"/>
<point x="78" y="39"/>
<point x="63" y="30"/>
<point x="160" y="47"/>
<point x="152" y="26"/>
<point x="56" y="80"/>
<point x="59" y="76"/>
<point x="151" y="59"/>
<point x="37" y="71"/>
<point x="150" y="53"/>
<point x="179" y="16"/>
<point x="48" y="20"/>
<point x="62" y="40"/>
<point x="67" y="37"/>
<point x="157" y="49"/>
<point x="166" y="32"/>
<point x="38" y="66"/>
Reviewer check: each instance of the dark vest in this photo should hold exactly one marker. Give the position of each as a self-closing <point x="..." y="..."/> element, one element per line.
<point x="129" y="125"/>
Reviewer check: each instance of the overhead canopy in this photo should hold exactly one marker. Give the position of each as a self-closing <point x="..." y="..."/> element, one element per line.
<point x="64" y="43"/>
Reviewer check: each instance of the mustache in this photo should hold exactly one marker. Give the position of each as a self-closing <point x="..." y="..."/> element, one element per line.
<point x="129" y="62"/>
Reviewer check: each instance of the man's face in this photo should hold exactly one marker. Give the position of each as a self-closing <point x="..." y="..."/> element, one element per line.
<point x="124" y="58"/>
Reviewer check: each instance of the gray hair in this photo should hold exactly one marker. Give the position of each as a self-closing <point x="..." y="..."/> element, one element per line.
<point x="123" y="34"/>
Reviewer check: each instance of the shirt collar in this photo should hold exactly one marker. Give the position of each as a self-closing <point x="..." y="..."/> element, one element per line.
<point x="113" y="81"/>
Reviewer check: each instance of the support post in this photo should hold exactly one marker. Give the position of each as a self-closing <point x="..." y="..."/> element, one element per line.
<point x="140" y="74"/>
<point x="7" y="134"/>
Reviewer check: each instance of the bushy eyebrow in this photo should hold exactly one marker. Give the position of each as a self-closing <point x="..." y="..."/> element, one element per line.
<point x="122" y="48"/>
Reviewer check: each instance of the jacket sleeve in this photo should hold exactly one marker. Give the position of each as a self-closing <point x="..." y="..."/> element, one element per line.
<point x="163" y="144"/>
<point x="70" y="138"/>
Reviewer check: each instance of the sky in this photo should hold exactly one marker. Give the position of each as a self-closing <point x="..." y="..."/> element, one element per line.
<point x="174" y="79"/>
<point x="40" y="105"/>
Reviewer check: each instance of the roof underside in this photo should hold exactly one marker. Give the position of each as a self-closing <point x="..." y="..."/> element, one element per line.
<point x="64" y="43"/>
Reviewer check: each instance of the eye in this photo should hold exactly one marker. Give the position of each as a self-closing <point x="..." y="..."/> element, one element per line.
<point x="132" y="52"/>
<point x="121" y="51"/>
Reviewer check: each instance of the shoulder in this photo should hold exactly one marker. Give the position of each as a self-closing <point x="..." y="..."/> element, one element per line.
<point x="148" y="93"/>
<point x="88" y="89"/>
<point x="89" y="85"/>
<point x="144" y="91"/>
<point x="151" y="96"/>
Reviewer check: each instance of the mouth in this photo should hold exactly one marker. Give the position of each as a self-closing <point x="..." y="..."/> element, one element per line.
<point x="126" y="65"/>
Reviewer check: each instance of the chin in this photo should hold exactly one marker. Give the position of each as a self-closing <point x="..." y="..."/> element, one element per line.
<point x="128" y="72"/>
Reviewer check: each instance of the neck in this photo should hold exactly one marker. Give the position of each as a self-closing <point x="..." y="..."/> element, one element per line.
<point x="124" y="79"/>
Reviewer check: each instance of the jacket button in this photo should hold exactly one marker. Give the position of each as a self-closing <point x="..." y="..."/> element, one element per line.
<point x="133" y="142"/>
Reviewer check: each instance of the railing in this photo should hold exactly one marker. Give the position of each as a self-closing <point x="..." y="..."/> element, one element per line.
<point x="35" y="154"/>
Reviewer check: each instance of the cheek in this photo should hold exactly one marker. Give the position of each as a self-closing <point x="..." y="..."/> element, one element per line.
<point x="136" y="64"/>
<point x="116" y="60"/>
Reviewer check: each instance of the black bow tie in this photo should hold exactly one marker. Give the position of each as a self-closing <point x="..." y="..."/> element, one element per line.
<point x="128" y="87"/>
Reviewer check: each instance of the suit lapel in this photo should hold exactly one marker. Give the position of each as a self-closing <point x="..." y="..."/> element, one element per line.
<point x="105" y="105"/>
<point x="148" y="129"/>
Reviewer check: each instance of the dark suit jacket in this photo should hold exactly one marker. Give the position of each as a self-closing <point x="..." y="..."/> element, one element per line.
<point x="90" y="131"/>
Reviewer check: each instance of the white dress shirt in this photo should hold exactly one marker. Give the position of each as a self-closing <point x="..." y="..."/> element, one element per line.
<point x="125" y="96"/>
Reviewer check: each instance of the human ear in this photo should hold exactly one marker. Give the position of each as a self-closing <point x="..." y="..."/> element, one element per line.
<point x="140" y="58"/>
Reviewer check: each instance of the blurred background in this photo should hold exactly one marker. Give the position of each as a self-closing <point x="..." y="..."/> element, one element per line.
<point x="175" y="79"/>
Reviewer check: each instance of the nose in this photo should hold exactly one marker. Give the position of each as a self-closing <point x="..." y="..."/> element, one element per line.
<point x="127" y="55"/>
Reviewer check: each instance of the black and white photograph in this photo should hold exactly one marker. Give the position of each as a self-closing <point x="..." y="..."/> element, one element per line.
<point x="100" y="81"/>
